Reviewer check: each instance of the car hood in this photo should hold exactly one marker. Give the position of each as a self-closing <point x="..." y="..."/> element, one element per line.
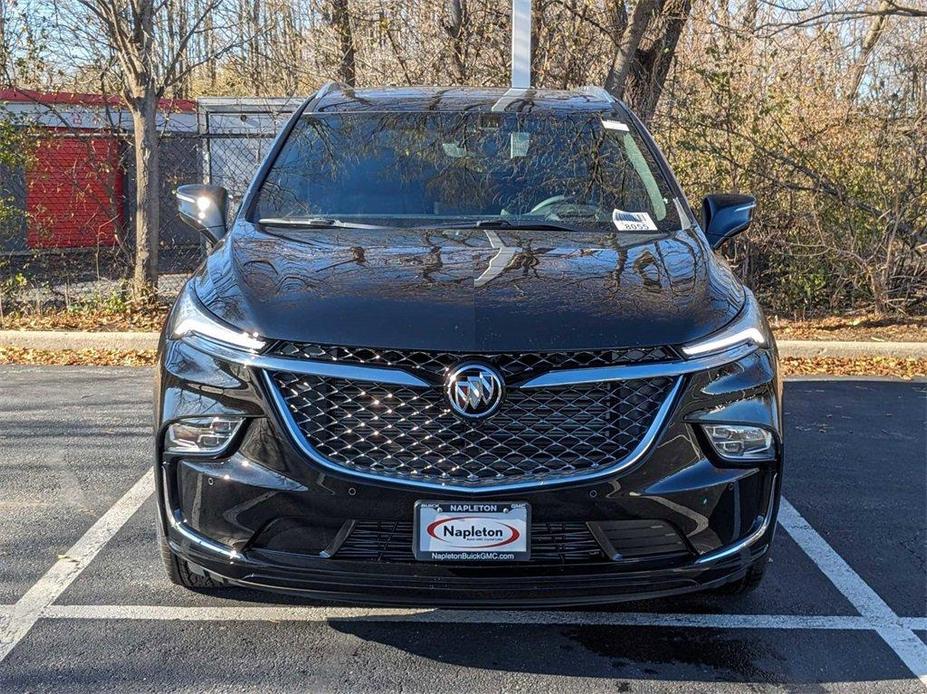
<point x="469" y="290"/>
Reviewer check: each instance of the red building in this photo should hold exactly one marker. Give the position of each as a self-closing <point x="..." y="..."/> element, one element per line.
<point x="75" y="188"/>
<point x="75" y="192"/>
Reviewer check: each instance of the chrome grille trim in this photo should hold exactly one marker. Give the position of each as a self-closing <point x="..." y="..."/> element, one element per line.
<point x="634" y="456"/>
<point x="637" y="371"/>
<point x="396" y="376"/>
<point x="514" y="365"/>
<point x="303" y="366"/>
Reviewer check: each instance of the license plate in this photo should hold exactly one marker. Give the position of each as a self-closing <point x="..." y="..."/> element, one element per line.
<point x="472" y="531"/>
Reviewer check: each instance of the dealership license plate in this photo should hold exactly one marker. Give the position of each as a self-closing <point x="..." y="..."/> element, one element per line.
<point x="472" y="531"/>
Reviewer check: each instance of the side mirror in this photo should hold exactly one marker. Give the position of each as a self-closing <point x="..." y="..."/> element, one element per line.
<point x="725" y="215"/>
<point x="203" y="207"/>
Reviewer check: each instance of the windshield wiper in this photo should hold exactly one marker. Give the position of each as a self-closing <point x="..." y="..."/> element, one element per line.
<point x="506" y="224"/>
<point x="314" y="223"/>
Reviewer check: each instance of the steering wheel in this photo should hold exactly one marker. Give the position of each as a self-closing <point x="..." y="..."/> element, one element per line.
<point x="552" y="200"/>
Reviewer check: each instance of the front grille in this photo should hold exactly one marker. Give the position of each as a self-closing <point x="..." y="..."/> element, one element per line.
<point x="630" y="541"/>
<point x="391" y="541"/>
<point x="410" y="433"/>
<point x="510" y="364"/>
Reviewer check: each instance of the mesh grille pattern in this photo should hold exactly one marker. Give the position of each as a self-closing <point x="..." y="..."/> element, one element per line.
<point x="409" y="433"/>
<point x="438" y="363"/>
<point x="392" y="541"/>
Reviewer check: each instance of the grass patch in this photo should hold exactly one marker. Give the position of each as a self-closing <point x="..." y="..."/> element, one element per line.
<point x="79" y="357"/>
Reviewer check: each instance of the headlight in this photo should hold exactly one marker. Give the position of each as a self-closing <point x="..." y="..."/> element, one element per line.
<point x="748" y="329"/>
<point x="206" y="435"/>
<point x="190" y="318"/>
<point x="740" y="443"/>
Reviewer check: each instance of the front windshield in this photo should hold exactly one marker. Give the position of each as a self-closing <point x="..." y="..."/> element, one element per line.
<point x="585" y="171"/>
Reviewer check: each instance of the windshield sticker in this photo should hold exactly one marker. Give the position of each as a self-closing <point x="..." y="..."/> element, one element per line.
<point x="452" y="149"/>
<point x="614" y="125"/>
<point x="518" y="145"/>
<point x="632" y="221"/>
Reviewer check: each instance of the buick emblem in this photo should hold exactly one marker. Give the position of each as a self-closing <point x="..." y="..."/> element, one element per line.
<point x="474" y="390"/>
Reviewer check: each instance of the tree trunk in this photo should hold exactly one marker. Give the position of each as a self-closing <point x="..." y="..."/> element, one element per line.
<point x="627" y="48"/>
<point x="209" y="49"/>
<point x="255" y="41"/>
<point x="654" y="57"/>
<point x="456" y="23"/>
<point x="751" y="12"/>
<point x="182" y="88"/>
<point x="341" y="19"/>
<point x="6" y="60"/>
<point x="869" y="43"/>
<point x="147" y="199"/>
<point x="4" y="51"/>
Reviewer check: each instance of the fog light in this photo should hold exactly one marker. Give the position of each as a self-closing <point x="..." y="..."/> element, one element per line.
<point x="209" y="435"/>
<point x="737" y="442"/>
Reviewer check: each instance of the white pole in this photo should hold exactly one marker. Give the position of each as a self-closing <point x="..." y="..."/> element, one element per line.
<point x="521" y="44"/>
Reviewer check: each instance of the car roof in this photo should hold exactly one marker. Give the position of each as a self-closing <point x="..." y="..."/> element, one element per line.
<point x="337" y="98"/>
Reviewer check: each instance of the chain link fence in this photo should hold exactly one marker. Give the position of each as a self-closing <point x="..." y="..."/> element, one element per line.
<point x="67" y="204"/>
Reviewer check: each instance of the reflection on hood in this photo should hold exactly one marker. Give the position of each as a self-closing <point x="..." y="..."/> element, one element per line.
<point x="471" y="289"/>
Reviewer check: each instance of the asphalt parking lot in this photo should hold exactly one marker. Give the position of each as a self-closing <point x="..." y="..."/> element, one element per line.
<point x="84" y="605"/>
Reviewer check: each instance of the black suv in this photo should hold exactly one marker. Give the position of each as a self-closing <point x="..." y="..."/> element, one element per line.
<point x="467" y="347"/>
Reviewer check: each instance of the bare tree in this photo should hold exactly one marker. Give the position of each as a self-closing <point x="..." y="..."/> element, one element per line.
<point x="630" y="41"/>
<point x="253" y="14"/>
<point x="456" y="27"/>
<point x="341" y="21"/>
<point x="654" y="56"/>
<point x="809" y="18"/>
<point x="4" y="52"/>
<point x="869" y="43"/>
<point x="131" y="33"/>
<point x="645" y="53"/>
<point x="751" y="11"/>
<point x="208" y="46"/>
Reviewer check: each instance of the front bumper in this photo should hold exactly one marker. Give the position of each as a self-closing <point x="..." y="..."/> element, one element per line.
<point x="265" y="515"/>
<point x="496" y="587"/>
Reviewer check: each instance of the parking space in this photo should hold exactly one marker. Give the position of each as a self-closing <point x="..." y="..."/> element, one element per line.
<point x="85" y="606"/>
<point x="71" y="442"/>
<point x="857" y="471"/>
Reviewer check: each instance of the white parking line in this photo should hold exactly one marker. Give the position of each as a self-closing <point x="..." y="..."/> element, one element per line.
<point x="30" y="607"/>
<point x="438" y="616"/>
<point x="906" y="644"/>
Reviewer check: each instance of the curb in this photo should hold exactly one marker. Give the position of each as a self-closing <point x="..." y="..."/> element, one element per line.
<point x="67" y="340"/>
<point x="851" y="350"/>
<point x="131" y="341"/>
